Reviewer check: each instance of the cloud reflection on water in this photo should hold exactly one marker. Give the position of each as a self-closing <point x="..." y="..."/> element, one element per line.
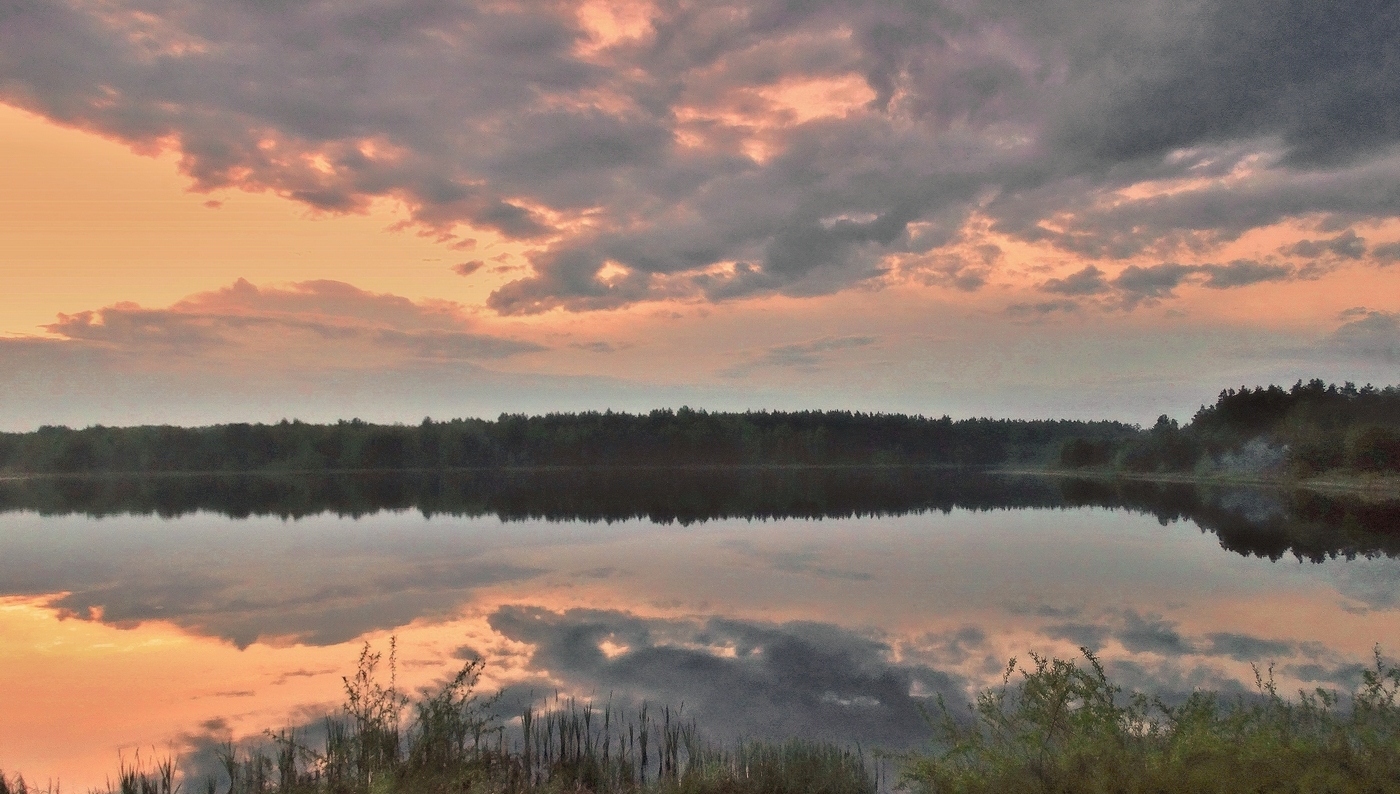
<point x="837" y="625"/>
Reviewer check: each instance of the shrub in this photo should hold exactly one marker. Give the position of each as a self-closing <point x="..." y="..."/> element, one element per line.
<point x="1067" y="729"/>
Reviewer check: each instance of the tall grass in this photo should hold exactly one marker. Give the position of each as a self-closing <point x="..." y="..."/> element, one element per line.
<point x="159" y="776"/>
<point x="1062" y="727"/>
<point x="452" y="740"/>
<point x="1051" y="726"/>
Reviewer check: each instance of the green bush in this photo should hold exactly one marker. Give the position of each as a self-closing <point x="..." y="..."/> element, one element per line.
<point x="1067" y="729"/>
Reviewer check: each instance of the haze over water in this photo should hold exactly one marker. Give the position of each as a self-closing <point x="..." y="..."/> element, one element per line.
<point x="174" y="614"/>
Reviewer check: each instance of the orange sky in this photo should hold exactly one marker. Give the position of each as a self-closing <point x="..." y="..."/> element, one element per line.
<point x="972" y="307"/>
<point x="90" y="224"/>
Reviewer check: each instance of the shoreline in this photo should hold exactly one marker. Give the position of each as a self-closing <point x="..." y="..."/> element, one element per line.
<point x="1373" y="485"/>
<point x="1381" y="486"/>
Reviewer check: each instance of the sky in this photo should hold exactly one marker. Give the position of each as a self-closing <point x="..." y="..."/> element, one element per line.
<point x="264" y="209"/>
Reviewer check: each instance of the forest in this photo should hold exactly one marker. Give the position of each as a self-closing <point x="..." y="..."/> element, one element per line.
<point x="1310" y="429"/>
<point x="660" y="438"/>
<point x="1303" y="431"/>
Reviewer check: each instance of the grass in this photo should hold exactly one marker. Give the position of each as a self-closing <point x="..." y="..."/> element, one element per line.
<point x="451" y="740"/>
<point x="1052" y="726"/>
<point x="1064" y="727"/>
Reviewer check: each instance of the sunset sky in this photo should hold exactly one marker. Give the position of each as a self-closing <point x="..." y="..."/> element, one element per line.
<point x="257" y="209"/>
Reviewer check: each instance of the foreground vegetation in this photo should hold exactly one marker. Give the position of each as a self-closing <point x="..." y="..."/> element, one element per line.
<point x="1053" y="726"/>
<point x="1065" y="728"/>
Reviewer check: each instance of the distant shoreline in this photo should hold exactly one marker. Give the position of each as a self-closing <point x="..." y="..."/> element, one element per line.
<point x="1383" y="486"/>
<point x="1331" y="482"/>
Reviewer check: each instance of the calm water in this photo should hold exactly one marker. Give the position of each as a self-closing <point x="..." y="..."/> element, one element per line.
<point x="177" y="613"/>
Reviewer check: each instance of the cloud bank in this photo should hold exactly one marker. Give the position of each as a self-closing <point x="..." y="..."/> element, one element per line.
<point x="657" y="149"/>
<point x="331" y="314"/>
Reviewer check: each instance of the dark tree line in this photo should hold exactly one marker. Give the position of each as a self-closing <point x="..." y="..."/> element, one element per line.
<point x="1311" y="428"/>
<point x="1263" y="521"/>
<point x="660" y="438"/>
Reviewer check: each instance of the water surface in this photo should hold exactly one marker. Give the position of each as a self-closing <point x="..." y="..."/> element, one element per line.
<point x="179" y="612"/>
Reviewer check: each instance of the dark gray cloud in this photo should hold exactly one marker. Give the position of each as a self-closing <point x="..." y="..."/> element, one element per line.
<point x="1042" y="308"/>
<point x="1344" y="676"/>
<point x="1323" y="78"/>
<point x="1244" y="648"/>
<point x="740" y="678"/>
<point x="1139" y="633"/>
<point x="1346" y="245"/>
<point x="1387" y="254"/>
<point x="1242" y="273"/>
<point x="697" y="177"/>
<point x="1152" y="634"/>
<point x="1136" y="285"/>
<point x="1089" y="281"/>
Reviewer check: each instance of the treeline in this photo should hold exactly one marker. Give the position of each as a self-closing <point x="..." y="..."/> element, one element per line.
<point x="1304" y="431"/>
<point x="1264" y="521"/>
<point x="662" y="437"/>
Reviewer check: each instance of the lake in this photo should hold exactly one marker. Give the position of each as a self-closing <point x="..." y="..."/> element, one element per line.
<point x="168" y="615"/>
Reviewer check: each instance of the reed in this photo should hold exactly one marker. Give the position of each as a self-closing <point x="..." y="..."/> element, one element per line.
<point x="452" y="740"/>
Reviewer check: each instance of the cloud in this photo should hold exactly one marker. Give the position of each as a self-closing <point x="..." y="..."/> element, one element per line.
<point x="956" y="271"/>
<point x="1149" y="284"/>
<point x="1345" y="676"/>
<point x="1089" y="281"/>
<point x="1139" y="633"/>
<point x="740" y="678"/>
<point x="1387" y="254"/>
<point x="1221" y="71"/>
<point x="1136" y="285"/>
<point x="1242" y="273"/>
<point x="594" y="347"/>
<point x="379" y="579"/>
<point x="326" y="314"/>
<point x="1346" y="245"/>
<point x="1085" y="635"/>
<point x="468" y="268"/>
<point x="1375" y="335"/>
<point x="806" y="356"/>
<point x="1244" y="648"/>
<point x="1152" y="634"/>
<point x="751" y="146"/>
<point x="1042" y="308"/>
